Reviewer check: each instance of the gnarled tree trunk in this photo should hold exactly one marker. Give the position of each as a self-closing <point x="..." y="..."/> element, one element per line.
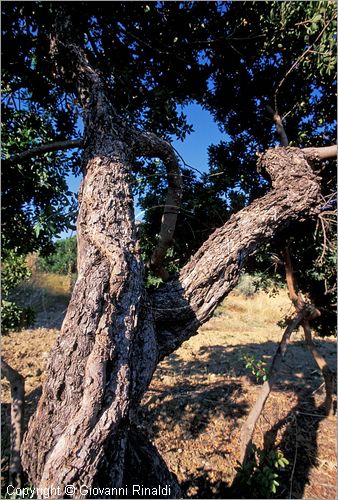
<point x="115" y="333"/>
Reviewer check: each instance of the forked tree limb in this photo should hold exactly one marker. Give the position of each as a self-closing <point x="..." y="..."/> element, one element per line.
<point x="149" y="145"/>
<point x="298" y="302"/>
<point x="249" y="426"/>
<point x="321" y="153"/>
<point x="17" y="385"/>
<point x="183" y="304"/>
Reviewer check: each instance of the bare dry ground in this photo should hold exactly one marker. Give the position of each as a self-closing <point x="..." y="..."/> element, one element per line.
<point x="201" y="394"/>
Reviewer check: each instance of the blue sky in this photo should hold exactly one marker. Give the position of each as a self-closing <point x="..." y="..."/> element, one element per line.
<point x="194" y="149"/>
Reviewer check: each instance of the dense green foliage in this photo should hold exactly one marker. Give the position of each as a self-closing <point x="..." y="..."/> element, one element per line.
<point x="13" y="272"/>
<point x="233" y="58"/>
<point x="62" y="260"/>
<point x="36" y="203"/>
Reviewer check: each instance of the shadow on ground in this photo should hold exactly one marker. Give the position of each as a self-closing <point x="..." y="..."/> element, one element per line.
<point x="192" y="393"/>
<point x="213" y="383"/>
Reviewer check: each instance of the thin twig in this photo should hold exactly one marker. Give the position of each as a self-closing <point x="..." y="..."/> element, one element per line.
<point x="317" y="415"/>
<point x="290" y="111"/>
<point x="318" y="388"/>
<point x="295" y="459"/>
<point x="324" y="244"/>
<point x="295" y="64"/>
<point x="187" y="164"/>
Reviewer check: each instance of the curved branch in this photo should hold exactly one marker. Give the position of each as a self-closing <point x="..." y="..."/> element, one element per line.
<point x="149" y="145"/>
<point x="45" y="148"/>
<point x="17" y="384"/>
<point x="182" y="305"/>
<point x="299" y="303"/>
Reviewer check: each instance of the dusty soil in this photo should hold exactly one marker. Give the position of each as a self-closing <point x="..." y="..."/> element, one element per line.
<point x="201" y="395"/>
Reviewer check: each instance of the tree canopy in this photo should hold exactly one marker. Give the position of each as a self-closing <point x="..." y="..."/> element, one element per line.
<point x="233" y="58"/>
<point x="234" y="62"/>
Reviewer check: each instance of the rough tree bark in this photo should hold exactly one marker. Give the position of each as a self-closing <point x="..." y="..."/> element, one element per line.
<point x="115" y="332"/>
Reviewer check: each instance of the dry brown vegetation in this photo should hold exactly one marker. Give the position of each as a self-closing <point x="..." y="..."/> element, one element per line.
<point x="201" y="394"/>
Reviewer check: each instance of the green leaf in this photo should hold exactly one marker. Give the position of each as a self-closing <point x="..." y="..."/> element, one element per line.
<point x="316" y="18"/>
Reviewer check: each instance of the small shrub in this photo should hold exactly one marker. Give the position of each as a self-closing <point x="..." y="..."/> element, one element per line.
<point x="14" y="317"/>
<point x="257" y="367"/>
<point x="62" y="260"/>
<point x="261" y="472"/>
<point x="13" y="272"/>
<point x="153" y="281"/>
<point x="247" y="285"/>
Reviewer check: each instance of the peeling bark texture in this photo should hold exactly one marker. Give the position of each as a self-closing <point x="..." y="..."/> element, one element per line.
<point x="250" y="423"/>
<point x="114" y="333"/>
<point x="299" y="303"/>
<point x="17" y="384"/>
<point x="106" y="353"/>
<point x="183" y="304"/>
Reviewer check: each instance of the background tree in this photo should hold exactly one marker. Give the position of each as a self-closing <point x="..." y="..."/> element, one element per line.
<point x="126" y="68"/>
<point x="279" y="54"/>
<point x="63" y="259"/>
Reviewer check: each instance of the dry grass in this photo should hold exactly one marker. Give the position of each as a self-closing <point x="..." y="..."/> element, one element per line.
<point x="48" y="295"/>
<point x="239" y="320"/>
<point x="260" y="310"/>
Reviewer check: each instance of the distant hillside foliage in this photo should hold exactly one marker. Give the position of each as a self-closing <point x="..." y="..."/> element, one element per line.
<point x="62" y="260"/>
